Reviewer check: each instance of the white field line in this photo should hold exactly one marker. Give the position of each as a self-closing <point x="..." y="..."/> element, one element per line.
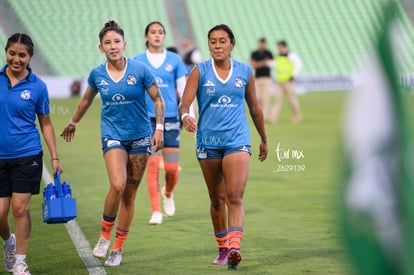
<point x="83" y="247"/>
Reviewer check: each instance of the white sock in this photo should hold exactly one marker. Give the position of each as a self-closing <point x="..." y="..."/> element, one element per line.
<point x="20" y="258"/>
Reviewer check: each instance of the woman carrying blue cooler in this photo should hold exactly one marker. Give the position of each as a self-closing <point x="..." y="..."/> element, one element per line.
<point x="23" y="97"/>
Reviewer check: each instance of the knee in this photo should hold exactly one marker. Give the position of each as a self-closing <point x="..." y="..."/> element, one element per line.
<point x="171" y="167"/>
<point x="217" y="202"/>
<point x="118" y="188"/>
<point x="19" y="211"/>
<point x="235" y="198"/>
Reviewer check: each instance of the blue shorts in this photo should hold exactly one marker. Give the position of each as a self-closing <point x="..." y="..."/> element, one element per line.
<point x="21" y="175"/>
<point x="132" y="147"/>
<point x="171" y="131"/>
<point x="208" y="153"/>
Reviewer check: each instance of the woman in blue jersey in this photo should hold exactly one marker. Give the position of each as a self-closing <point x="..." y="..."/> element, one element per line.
<point x="221" y="85"/>
<point x="170" y="72"/>
<point x="125" y="130"/>
<point x="23" y="97"/>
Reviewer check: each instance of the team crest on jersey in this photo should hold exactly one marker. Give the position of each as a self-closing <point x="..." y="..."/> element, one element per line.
<point x="238" y="82"/>
<point x="168" y="67"/>
<point x="25" y="95"/>
<point x="131" y="80"/>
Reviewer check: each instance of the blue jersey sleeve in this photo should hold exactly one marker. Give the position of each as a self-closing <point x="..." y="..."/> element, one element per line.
<point x="91" y="79"/>
<point x="42" y="104"/>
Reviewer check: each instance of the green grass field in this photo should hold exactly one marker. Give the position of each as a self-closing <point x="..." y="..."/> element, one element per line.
<point x="290" y="216"/>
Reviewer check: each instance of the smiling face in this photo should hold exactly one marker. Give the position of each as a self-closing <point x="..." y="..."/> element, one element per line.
<point x="113" y="45"/>
<point x="17" y="57"/>
<point x="220" y="45"/>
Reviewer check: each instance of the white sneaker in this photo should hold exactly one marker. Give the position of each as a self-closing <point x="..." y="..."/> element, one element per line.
<point x="156" y="218"/>
<point x="114" y="259"/>
<point x="169" y="206"/>
<point x="101" y="247"/>
<point x="10" y="254"/>
<point x="21" y="269"/>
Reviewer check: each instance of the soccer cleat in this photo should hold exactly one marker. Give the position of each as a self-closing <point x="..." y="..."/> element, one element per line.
<point x="21" y="269"/>
<point x="101" y="247"/>
<point x="115" y="258"/>
<point x="233" y="258"/>
<point x="10" y="254"/>
<point x="221" y="258"/>
<point x="169" y="206"/>
<point x="156" y="218"/>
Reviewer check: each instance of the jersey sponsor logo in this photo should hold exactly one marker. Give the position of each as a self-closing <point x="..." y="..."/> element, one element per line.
<point x="224" y="99"/>
<point x="112" y="143"/>
<point x="131" y="80"/>
<point x="211" y="91"/>
<point x="238" y="82"/>
<point x="103" y="82"/>
<point x="25" y="95"/>
<point x="168" y="67"/>
<point x="209" y="84"/>
<point x="160" y="82"/>
<point x="224" y="102"/>
<point x="118" y="97"/>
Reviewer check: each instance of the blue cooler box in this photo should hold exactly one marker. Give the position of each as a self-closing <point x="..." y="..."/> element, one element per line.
<point x="59" y="207"/>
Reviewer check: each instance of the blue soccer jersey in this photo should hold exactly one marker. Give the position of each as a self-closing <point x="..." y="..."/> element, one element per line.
<point x="222" y="121"/>
<point x="124" y="113"/>
<point x="19" y="106"/>
<point x="171" y="69"/>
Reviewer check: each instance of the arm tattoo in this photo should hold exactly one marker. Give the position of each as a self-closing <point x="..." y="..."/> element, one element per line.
<point x="159" y="108"/>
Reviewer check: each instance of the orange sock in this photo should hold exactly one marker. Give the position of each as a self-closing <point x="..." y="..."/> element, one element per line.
<point x="235" y="238"/>
<point x="153" y="184"/>
<point x="222" y="242"/>
<point x="171" y="177"/>
<point x="222" y="238"/>
<point x="120" y="238"/>
<point x="106" y="228"/>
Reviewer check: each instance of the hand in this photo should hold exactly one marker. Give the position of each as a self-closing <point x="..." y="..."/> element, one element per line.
<point x="263" y="151"/>
<point x="190" y="124"/>
<point x="68" y="133"/>
<point x="56" y="166"/>
<point x="157" y="140"/>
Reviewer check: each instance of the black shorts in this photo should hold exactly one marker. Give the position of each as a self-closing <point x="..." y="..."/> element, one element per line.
<point x="21" y="175"/>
